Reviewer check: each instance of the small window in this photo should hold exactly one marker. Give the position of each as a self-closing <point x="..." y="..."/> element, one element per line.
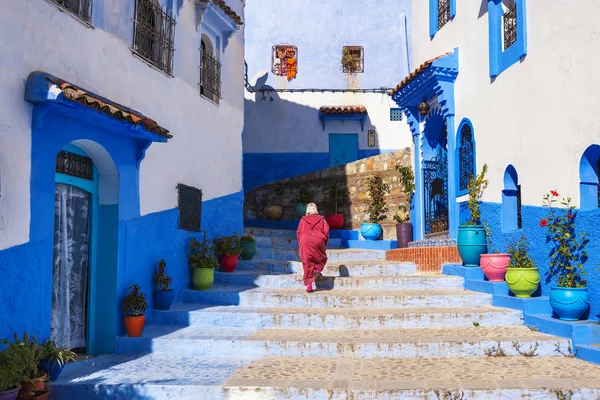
<point x="395" y="114"/>
<point x="589" y="178"/>
<point x="353" y="59"/>
<point x="80" y="8"/>
<point x="75" y="165"/>
<point x="465" y="157"/>
<point x="154" y="35"/>
<point x="443" y="13"/>
<point x="210" y="72"/>
<point x="510" y="26"/>
<point x="189" y="202"/>
<point x="284" y="61"/>
<point x="511" y="201"/>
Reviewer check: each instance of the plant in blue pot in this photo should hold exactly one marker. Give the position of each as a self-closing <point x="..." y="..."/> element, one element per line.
<point x="569" y="296"/>
<point x="377" y="208"/>
<point x="163" y="297"/>
<point x="471" y="235"/>
<point x="303" y="197"/>
<point x="55" y="358"/>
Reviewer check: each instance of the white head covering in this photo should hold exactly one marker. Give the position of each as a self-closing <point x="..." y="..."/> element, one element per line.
<point x="311" y="209"/>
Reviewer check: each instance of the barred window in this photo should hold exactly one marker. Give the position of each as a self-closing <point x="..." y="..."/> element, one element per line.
<point x="210" y="72"/>
<point x="189" y="201"/>
<point x="353" y="59"/>
<point x="466" y="160"/>
<point x="154" y="34"/>
<point x="80" y="8"/>
<point x="443" y="12"/>
<point x="75" y="165"/>
<point x="510" y="26"/>
<point x="284" y="60"/>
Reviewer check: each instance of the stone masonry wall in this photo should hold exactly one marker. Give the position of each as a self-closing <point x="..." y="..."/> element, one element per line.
<point x="353" y="176"/>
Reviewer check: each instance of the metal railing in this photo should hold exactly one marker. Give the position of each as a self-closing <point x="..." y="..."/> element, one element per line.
<point x="80" y="8"/>
<point x="210" y="76"/>
<point x="154" y="34"/>
<point x="510" y="26"/>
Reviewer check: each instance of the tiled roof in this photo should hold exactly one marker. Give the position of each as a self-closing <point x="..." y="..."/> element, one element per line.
<point x="228" y="10"/>
<point x="416" y="72"/>
<point x="333" y="110"/>
<point x="75" y="94"/>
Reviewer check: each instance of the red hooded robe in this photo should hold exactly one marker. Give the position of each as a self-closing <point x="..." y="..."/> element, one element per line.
<point x="313" y="236"/>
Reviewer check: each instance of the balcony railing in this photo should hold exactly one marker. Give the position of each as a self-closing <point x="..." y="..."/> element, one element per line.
<point x="154" y="34"/>
<point x="210" y="77"/>
<point x="80" y="8"/>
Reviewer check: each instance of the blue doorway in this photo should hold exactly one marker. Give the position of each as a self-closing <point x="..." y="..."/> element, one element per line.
<point x="343" y="148"/>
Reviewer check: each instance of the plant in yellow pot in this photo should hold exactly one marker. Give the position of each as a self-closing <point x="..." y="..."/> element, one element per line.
<point x="522" y="277"/>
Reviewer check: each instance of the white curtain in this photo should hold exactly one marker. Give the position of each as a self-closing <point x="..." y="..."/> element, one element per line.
<point x="70" y="269"/>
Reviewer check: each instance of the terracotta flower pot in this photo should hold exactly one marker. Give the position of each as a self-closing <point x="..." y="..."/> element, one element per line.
<point x="228" y="262"/>
<point x="135" y="325"/>
<point x="335" y="221"/>
<point x="40" y="395"/>
<point x="273" y="213"/>
<point x="494" y="266"/>
<point x="27" y="387"/>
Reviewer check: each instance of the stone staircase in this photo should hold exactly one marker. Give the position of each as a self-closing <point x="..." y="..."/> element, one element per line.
<point x="376" y="329"/>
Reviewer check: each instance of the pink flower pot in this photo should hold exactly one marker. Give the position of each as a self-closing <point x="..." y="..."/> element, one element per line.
<point x="494" y="266"/>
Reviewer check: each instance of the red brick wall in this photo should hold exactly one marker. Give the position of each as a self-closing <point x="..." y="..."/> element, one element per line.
<point x="426" y="258"/>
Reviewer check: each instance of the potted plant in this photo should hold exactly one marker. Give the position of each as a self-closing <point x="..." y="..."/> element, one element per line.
<point x="11" y="372"/>
<point x="404" y="228"/>
<point x="30" y="353"/>
<point x="335" y="195"/>
<point x="493" y="264"/>
<point x="202" y="260"/>
<point x="569" y="297"/>
<point x="377" y="208"/>
<point x="471" y="240"/>
<point x="228" y="250"/>
<point x="163" y="297"/>
<point x="350" y="63"/>
<point x="522" y="277"/>
<point x="248" y="244"/>
<point x="134" y="305"/>
<point x="303" y="197"/>
<point x="275" y="212"/>
<point x="54" y="359"/>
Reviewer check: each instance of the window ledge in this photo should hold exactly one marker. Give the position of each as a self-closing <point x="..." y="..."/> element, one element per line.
<point x="150" y="64"/>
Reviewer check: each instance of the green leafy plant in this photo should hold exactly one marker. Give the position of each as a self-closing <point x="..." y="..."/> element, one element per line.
<point x="568" y="249"/>
<point x="202" y="254"/>
<point x="23" y="355"/>
<point x="477" y="186"/>
<point x="247" y="239"/>
<point x="335" y="195"/>
<point x="489" y="238"/>
<point x="135" y="302"/>
<point x="61" y="355"/>
<point x="519" y="254"/>
<point x="377" y="207"/>
<point x="304" y="196"/>
<point x="12" y="361"/>
<point x="162" y="280"/>
<point x="407" y="180"/>
<point x="350" y="62"/>
<point x="228" y="245"/>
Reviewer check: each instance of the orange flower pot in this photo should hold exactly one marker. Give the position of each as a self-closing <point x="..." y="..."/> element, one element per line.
<point x="135" y="325"/>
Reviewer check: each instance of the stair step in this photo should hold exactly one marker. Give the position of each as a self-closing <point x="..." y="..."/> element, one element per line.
<point x="263" y="232"/>
<point x="342" y="298"/>
<point x="344" y="268"/>
<point x="334" y="318"/>
<point x="333" y="255"/>
<point x="385" y="343"/>
<point x="289" y="243"/>
<point x="284" y="281"/>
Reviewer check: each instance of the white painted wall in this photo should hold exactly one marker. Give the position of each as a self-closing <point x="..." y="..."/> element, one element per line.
<point x="206" y="150"/>
<point x="539" y="115"/>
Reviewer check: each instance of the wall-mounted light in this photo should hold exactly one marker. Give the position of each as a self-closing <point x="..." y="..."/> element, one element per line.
<point x="371" y="139"/>
<point x="424" y="108"/>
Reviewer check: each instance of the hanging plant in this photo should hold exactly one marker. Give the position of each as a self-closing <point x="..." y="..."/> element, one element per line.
<point x="351" y="62"/>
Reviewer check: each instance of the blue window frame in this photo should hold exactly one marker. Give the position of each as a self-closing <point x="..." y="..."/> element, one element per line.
<point x="507" y="34"/>
<point x="465" y="138"/>
<point x="440" y="13"/>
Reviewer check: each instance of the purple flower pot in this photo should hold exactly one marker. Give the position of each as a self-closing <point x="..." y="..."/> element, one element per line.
<point x="10" y="394"/>
<point x="404" y="234"/>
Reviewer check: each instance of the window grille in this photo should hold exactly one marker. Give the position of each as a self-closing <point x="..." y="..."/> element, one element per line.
<point x="154" y="34"/>
<point x="75" y="165"/>
<point x="519" y="218"/>
<point x="358" y="54"/>
<point x="443" y="13"/>
<point x="510" y="26"/>
<point x="80" y="8"/>
<point x="465" y="157"/>
<point x="284" y="57"/>
<point x="395" y="114"/>
<point x="189" y="201"/>
<point x="210" y="76"/>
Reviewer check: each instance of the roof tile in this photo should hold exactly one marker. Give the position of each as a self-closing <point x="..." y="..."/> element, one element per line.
<point x="333" y="110"/>
<point x="416" y="72"/>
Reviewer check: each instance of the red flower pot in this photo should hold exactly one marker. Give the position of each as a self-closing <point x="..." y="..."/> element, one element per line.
<point x="135" y="325"/>
<point x="228" y="263"/>
<point x="494" y="266"/>
<point x="27" y="387"/>
<point x="335" y="221"/>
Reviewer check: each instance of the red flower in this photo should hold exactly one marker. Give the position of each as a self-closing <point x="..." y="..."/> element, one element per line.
<point x="571" y="216"/>
<point x="554" y="193"/>
<point x="544" y="222"/>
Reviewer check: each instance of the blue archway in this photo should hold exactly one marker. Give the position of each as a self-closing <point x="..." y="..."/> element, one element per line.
<point x="589" y="184"/>
<point x="511" y="201"/>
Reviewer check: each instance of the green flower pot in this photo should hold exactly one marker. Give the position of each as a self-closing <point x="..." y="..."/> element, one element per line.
<point x="248" y="250"/>
<point x="203" y="278"/>
<point x="522" y="281"/>
<point x="300" y="210"/>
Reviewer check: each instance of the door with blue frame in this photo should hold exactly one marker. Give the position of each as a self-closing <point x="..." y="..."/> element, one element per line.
<point x="343" y="148"/>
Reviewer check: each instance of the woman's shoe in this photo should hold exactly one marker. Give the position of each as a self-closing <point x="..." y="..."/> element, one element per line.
<point x="309" y="288"/>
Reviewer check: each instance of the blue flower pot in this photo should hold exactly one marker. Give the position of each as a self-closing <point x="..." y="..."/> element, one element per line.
<point x="370" y="231"/>
<point x="51" y="368"/>
<point x="163" y="299"/>
<point x="471" y="244"/>
<point x="569" y="303"/>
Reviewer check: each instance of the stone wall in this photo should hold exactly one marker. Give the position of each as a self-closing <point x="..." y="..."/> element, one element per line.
<point x="353" y="176"/>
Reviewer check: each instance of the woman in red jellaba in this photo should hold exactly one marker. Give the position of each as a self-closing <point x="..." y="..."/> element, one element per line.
<point x="313" y="236"/>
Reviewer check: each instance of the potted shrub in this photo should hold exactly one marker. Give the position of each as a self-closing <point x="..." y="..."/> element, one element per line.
<point x="350" y="62"/>
<point x="11" y="370"/>
<point x="493" y="264"/>
<point x="275" y="212"/>
<point x="248" y="244"/>
<point x="471" y="235"/>
<point x="377" y="208"/>
<point x="163" y="297"/>
<point x="134" y="305"/>
<point x="30" y="353"/>
<point x="54" y="359"/>
<point x="404" y="228"/>
<point x="228" y="250"/>
<point x="522" y="277"/>
<point x="335" y="195"/>
<point x="569" y="296"/>
<point x="202" y="260"/>
<point x="303" y="197"/>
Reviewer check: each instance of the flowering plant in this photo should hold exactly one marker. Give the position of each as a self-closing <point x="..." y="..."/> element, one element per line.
<point x="567" y="255"/>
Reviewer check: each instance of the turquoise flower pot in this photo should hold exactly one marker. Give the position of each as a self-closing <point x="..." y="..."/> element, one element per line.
<point x="300" y="210"/>
<point x="471" y="244"/>
<point x="370" y="231"/>
<point x="569" y="303"/>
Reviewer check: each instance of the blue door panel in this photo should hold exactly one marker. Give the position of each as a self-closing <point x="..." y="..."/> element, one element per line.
<point x="343" y="148"/>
